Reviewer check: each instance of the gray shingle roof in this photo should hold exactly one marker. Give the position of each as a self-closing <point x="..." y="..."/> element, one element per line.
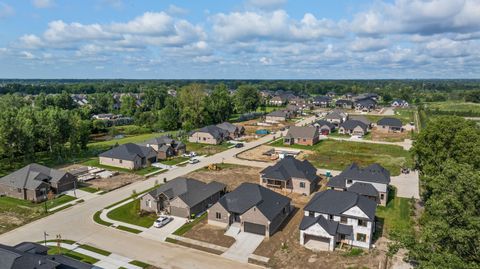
<point x="213" y="130"/>
<point x="162" y="140"/>
<point x="308" y="132"/>
<point x="374" y="173"/>
<point x="344" y="102"/>
<point x="336" y="114"/>
<point x="278" y="113"/>
<point x="330" y="226"/>
<point x="321" y="123"/>
<point x="363" y="189"/>
<point x="128" y="152"/>
<point x="322" y="99"/>
<point x="290" y="167"/>
<point x="361" y="118"/>
<point x="248" y="195"/>
<point x="392" y="122"/>
<point x="337" y="202"/>
<point x="190" y="191"/>
<point x="32" y="176"/>
<point x="231" y="128"/>
<point x="352" y="124"/>
<point x="366" y="102"/>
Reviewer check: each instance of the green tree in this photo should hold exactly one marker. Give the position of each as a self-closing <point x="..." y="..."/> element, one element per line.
<point x="192" y="105"/>
<point x="246" y="99"/>
<point x="219" y="104"/>
<point x="168" y="117"/>
<point x="154" y="99"/>
<point x="128" y="105"/>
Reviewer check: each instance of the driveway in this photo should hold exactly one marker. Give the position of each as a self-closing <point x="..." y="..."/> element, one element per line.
<point x="244" y="246"/>
<point x="407" y="185"/>
<point x="162" y="233"/>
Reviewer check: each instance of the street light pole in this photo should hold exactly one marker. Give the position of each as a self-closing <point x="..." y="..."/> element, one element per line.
<point x="45" y="238"/>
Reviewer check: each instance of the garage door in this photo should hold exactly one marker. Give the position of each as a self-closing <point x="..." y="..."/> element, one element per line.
<point x="316" y="242"/>
<point x="254" y="228"/>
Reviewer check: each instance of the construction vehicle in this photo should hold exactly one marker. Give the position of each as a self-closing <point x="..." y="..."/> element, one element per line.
<point x="213" y="167"/>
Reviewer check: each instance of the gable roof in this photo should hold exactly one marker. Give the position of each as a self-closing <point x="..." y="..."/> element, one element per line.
<point x="361" y="118"/>
<point x="162" y="140"/>
<point x="344" y="102"/>
<point x="330" y="226"/>
<point x="322" y="99"/>
<point x="32" y="176"/>
<point x="213" y="130"/>
<point x="227" y="126"/>
<point x="128" y="152"/>
<point x="351" y="124"/>
<point x="337" y="202"/>
<point x="365" y="102"/>
<point x="363" y="189"/>
<point x="248" y="195"/>
<point x="374" y="173"/>
<point x="190" y="191"/>
<point x="288" y="168"/>
<point x="392" y="122"/>
<point x="302" y="132"/>
<point x="321" y="123"/>
<point x="336" y="114"/>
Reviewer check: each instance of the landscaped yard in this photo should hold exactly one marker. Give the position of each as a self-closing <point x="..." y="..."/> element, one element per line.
<point x="16" y="212"/>
<point x="130" y="213"/>
<point x="396" y="215"/>
<point x="175" y="160"/>
<point x="72" y="254"/>
<point x="206" y="149"/>
<point x="337" y="155"/>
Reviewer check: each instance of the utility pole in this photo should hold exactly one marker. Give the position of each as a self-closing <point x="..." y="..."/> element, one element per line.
<point x="45" y="238"/>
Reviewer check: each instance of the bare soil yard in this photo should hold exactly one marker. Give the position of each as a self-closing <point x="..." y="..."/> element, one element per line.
<point x="210" y="234"/>
<point x="389" y="137"/>
<point x="256" y="154"/>
<point x="231" y="175"/>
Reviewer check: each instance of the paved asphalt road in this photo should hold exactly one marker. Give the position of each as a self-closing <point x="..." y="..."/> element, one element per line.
<point x="76" y="223"/>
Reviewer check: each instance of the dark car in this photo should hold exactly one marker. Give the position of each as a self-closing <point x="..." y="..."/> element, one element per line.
<point x="239" y="145"/>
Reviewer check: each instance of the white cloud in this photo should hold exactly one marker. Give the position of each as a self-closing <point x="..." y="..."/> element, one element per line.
<point x="265" y="61"/>
<point x="176" y="10"/>
<point x="6" y="10"/>
<point x="148" y="23"/>
<point x="31" y="41"/>
<point x="27" y="55"/>
<point x="43" y="3"/>
<point x="266" y="4"/>
<point x="361" y="44"/>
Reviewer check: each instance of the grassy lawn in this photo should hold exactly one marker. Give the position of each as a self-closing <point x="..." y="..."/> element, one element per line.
<point x="337" y="155"/>
<point x="174" y="161"/>
<point x="454" y="106"/>
<point x="188" y="226"/>
<point x="89" y="189"/>
<point x="72" y="254"/>
<point x="396" y="215"/>
<point x="130" y="213"/>
<point x="139" y="264"/>
<point x="128" y="229"/>
<point x="96" y="163"/>
<point x="404" y="115"/>
<point x="97" y="219"/>
<point x="206" y="149"/>
<point x="128" y="139"/>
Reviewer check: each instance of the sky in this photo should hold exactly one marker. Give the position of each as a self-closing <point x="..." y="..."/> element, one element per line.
<point x="245" y="39"/>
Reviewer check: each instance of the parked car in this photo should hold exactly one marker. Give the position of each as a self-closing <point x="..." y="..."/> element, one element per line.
<point x="190" y="154"/>
<point x="193" y="161"/>
<point x="239" y="145"/>
<point x="162" y="221"/>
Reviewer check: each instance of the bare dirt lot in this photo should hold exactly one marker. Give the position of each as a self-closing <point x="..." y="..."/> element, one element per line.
<point x="389" y="137"/>
<point x="257" y="154"/>
<point x="108" y="184"/>
<point x="210" y="234"/>
<point x="230" y="174"/>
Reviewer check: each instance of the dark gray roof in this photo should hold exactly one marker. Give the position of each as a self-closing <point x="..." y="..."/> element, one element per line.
<point x="248" y="195"/>
<point x="278" y="113"/>
<point x="336" y="114"/>
<point x="392" y="122"/>
<point x="213" y="130"/>
<point x="344" y="102"/>
<point x="361" y="118"/>
<point x="330" y="226"/>
<point x="228" y="127"/>
<point x="322" y="99"/>
<point x="32" y="176"/>
<point x="321" y="123"/>
<point x="374" y="173"/>
<point x="190" y="191"/>
<point x="128" y="152"/>
<point x="366" y="102"/>
<point x="363" y="189"/>
<point x="164" y="148"/>
<point x="309" y="132"/>
<point x="290" y="167"/>
<point x="162" y="140"/>
<point x="351" y="124"/>
<point x="337" y="202"/>
<point x="33" y="256"/>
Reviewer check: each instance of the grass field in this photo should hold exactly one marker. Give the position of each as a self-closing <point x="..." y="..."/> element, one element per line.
<point x="337" y="155"/>
<point x="454" y="106"/>
<point x="188" y="226"/>
<point x="396" y="215"/>
<point x="16" y="212"/>
<point x="174" y="161"/>
<point x="130" y="213"/>
<point x="206" y="149"/>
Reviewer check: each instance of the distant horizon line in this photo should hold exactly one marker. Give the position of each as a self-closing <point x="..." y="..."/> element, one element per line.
<point x="232" y="79"/>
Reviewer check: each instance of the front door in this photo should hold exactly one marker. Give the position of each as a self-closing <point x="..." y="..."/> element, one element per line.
<point x="236" y="218"/>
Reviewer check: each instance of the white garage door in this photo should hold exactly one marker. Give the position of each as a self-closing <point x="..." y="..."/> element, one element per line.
<point x="316" y="242"/>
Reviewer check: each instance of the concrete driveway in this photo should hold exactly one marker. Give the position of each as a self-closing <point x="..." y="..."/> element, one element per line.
<point x="407" y="185"/>
<point x="162" y="233"/>
<point x="244" y="246"/>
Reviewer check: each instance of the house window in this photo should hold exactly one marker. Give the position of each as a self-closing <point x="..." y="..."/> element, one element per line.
<point x="218" y="215"/>
<point x="304" y="140"/>
<point x="302" y="184"/>
<point x="382" y="196"/>
<point x="121" y="161"/>
<point x="311" y="214"/>
<point x="362" y="223"/>
<point x="343" y="220"/>
<point x="330" y="217"/>
<point x="19" y="190"/>
<point x="349" y="181"/>
<point x="361" y="237"/>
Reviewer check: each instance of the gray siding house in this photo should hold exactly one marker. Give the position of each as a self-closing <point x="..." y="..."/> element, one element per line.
<point x="129" y="156"/>
<point x="388" y="125"/>
<point x="292" y="175"/>
<point x="209" y="135"/>
<point x="182" y="197"/>
<point x="353" y="127"/>
<point x="34" y="181"/>
<point x="252" y="208"/>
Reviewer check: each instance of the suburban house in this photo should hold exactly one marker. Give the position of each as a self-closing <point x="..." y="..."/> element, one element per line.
<point x="362" y="119"/>
<point x="277" y="101"/>
<point x="336" y="117"/>
<point x="322" y="101"/>
<point x="302" y="135"/>
<point x="129" y="156"/>
<point x="234" y="131"/>
<point x="388" y="125"/>
<point x="300" y="102"/>
<point x="353" y="127"/>
<point x="29" y="255"/>
<point x="278" y="115"/>
<point x="34" y="181"/>
<point x="166" y="147"/>
<point x="210" y="134"/>
<point x="182" y="197"/>
<point x="290" y="174"/>
<point x="365" y="105"/>
<point x="331" y="94"/>
<point x="399" y="103"/>
<point x="324" y="127"/>
<point x="348" y="96"/>
<point x="333" y="217"/>
<point x="251" y="208"/>
<point x="371" y="182"/>
<point x="343" y="103"/>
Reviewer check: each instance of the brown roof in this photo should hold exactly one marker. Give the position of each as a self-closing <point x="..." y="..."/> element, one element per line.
<point x="302" y="132"/>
